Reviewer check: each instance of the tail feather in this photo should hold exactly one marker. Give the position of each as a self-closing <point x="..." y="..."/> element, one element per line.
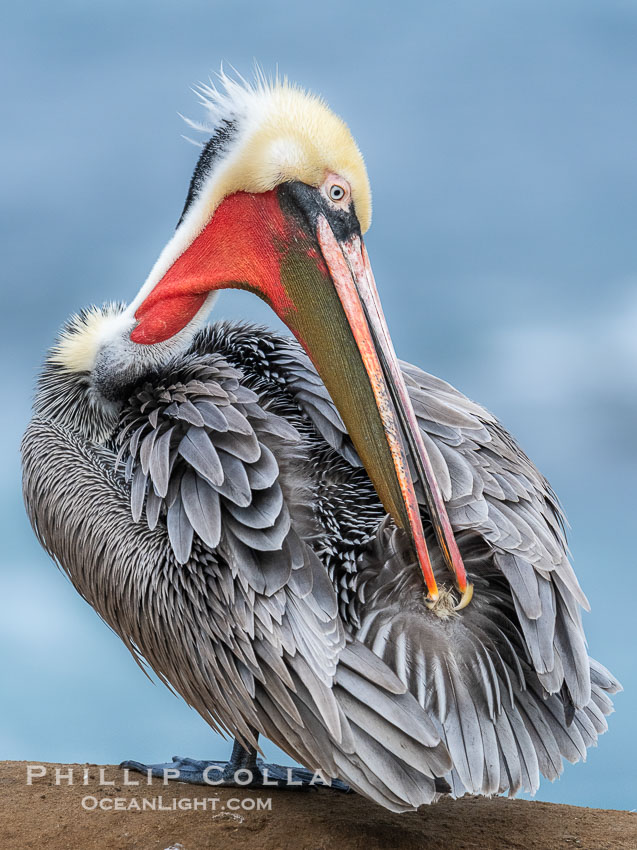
<point x="381" y="741"/>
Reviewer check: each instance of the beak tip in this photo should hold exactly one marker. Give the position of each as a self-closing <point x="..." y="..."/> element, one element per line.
<point x="467" y="596"/>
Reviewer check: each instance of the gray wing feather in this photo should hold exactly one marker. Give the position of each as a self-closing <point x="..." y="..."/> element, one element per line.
<point x="264" y="472"/>
<point x="471" y="671"/>
<point x="159" y="465"/>
<point x="527" y="673"/>
<point x="261" y="539"/>
<point x="312" y="397"/>
<point x="202" y="507"/>
<point x="198" y="451"/>
<point x="214" y="499"/>
<point x="497" y="492"/>
<point x="138" y="493"/>
<point x="180" y="531"/>
<point x="243" y="446"/>
<point x="153" y="507"/>
<point x="235" y="485"/>
<point x="263" y="510"/>
<point x="488" y="698"/>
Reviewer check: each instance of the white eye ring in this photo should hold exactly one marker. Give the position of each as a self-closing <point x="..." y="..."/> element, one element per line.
<point x="336" y="192"/>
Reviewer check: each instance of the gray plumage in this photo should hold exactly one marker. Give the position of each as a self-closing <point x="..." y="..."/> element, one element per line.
<point x="218" y="519"/>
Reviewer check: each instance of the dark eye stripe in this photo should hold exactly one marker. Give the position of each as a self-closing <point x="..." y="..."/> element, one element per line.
<point x="216" y="145"/>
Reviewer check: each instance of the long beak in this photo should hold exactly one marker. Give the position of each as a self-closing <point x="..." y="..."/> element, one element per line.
<point x="281" y="246"/>
<point x="353" y="278"/>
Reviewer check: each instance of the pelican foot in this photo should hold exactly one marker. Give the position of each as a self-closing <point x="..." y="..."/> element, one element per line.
<point x="236" y="773"/>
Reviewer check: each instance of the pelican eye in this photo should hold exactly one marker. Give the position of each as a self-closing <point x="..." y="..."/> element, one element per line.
<point x="336" y="192"/>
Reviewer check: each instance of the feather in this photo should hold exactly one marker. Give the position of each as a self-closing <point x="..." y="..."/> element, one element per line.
<point x="237" y="421"/>
<point x="213" y="417"/>
<point x="159" y="463"/>
<point x="523" y="581"/>
<point x="180" y="531"/>
<point x="196" y="448"/>
<point x="279" y="427"/>
<point x="236" y="484"/>
<point x="153" y="507"/>
<point x="459" y="472"/>
<point x="146" y="448"/>
<point x="244" y="446"/>
<point x="264" y="472"/>
<point x="138" y="493"/>
<point x="189" y="413"/>
<point x="276" y="569"/>
<point x="263" y="510"/>
<point x="261" y="539"/>
<point x="201" y="504"/>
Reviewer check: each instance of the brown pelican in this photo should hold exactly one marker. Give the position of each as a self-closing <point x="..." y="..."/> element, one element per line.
<point x="289" y="530"/>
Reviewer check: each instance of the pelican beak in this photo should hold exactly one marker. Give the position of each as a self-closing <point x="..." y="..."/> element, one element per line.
<point x="353" y="280"/>
<point x="308" y="261"/>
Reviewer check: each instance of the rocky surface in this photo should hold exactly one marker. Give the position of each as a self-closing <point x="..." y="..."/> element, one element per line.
<point x="59" y="817"/>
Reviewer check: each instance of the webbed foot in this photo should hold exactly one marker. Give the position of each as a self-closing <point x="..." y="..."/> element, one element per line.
<point x="244" y="770"/>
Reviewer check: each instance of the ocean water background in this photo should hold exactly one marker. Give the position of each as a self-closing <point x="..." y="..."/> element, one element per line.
<point x="500" y="142"/>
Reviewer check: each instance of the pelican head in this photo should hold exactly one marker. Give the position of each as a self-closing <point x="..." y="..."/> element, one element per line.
<point x="278" y="205"/>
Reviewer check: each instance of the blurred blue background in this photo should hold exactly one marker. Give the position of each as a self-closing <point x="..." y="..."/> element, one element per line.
<point x="500" y="137"/>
